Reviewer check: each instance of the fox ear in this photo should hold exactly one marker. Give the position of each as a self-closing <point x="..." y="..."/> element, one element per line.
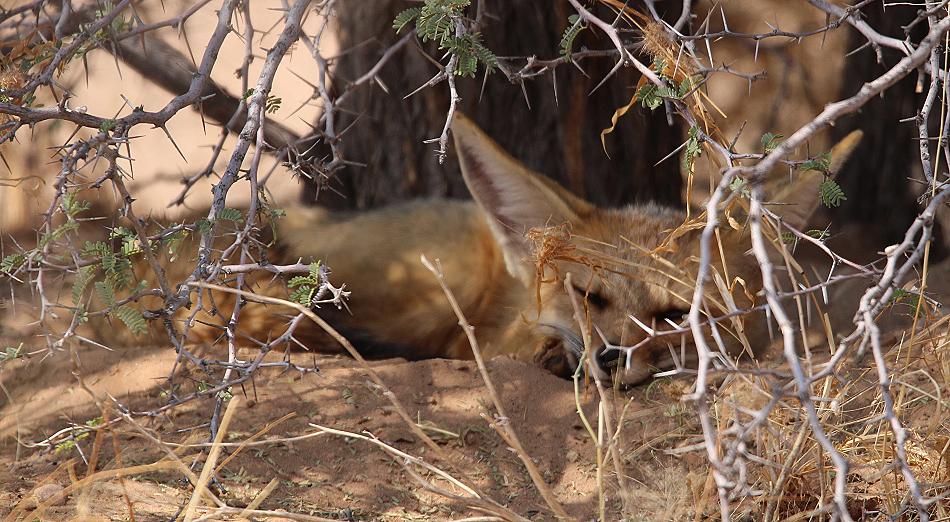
<point x="513" y="198"/>
<point x="799" y="199"/>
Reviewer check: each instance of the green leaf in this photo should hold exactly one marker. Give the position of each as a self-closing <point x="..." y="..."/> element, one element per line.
<point x="83" y="278"/>
<point x="741" y="186"/>
<point x="467" y="64"/>
<point x="173" y="242"/>
<point x="204" y="226"/>
<point x="684" y="87"/>
<point x="831" y="193"/>
<point x="575" y="26"/>
<point x="130" y="242"/>
<point x="305" y="285"/>
<point x="231" y="214"/>
<point x="770" y="141"/>
<point x="665" y="92"/>
<point x="9" y="353"/>
<point x="81" y="316"/>
<point x="95" y="249"/>
<point x="59" y="232"/>
<point x="66" y="445"/>
<point x="299" y="281"/>
<point x="693" y="148"/>
<point x="12" y="263"/>
<point x="108" y="261"/>
<point x="900" y="295"/>
<point x="436" y="21"/>
<point x="116" y="266"/>
<point x="649" y="96"/>
<point x="132" y="318"/>
<point x="820" y="163"/>
<point x="121" y="276"/>
<point x="105" y="292"/>
<point x="302" y="295"/>
<point x="434" y="24"/>
<point x="404" y="17"/>
<point x="73" y="206"/>
<point x="484" y="55"/>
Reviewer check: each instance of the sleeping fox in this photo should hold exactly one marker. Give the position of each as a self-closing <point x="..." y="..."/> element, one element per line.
<point x="505" y="256"/>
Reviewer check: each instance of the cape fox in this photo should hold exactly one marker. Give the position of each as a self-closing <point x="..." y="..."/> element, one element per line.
<point x="505" y="256"/>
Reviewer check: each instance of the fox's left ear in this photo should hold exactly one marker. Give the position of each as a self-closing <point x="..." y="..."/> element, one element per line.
<point x="514" y="198"/>
<point x="798" y="200"/>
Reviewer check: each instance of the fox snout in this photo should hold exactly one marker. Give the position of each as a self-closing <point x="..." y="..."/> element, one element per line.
<point x="624" y="367"/>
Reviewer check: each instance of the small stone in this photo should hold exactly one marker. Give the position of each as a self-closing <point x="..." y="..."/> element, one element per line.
<point x="51" y="493"/>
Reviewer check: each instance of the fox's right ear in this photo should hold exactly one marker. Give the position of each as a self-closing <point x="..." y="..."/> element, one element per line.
<point x="514" y="198"/>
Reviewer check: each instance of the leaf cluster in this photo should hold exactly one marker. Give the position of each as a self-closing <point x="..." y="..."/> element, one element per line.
<point x="770" y="141"/>
<point x="113" y="274"/>
<point x="651" y="96"/>
<point x="575" y="27"/>
<point x="902" y="296"/>
<point x="693" y="148"/>
<point x="829" y="191"/>
<point x="436" y="21"/>
<point x="306" y="287"/>
<point x="10" y="353"/>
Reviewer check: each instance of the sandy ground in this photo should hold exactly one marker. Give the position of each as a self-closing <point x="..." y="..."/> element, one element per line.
<point x="327" y="475"/>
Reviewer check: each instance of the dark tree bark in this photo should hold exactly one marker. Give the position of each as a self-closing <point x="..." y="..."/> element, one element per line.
<point x="558" y="135"/>
<point x="881" y="201"/>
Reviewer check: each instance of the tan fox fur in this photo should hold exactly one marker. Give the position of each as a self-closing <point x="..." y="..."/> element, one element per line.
<point x="624" y="260"/>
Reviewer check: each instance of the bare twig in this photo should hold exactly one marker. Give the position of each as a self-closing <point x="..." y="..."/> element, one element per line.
<point x="501" y="423"/>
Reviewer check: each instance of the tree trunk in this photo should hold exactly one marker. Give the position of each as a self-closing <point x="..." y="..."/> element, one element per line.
<point x="558" y="134"/>
<point x="882" y="202"/>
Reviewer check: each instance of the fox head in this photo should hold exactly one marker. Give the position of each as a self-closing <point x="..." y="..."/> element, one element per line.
<point x="634" y="267"/>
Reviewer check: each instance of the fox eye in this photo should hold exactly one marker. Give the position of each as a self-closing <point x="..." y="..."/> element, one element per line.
<point x="673" y="314"/>
<point x="595" y="299"/>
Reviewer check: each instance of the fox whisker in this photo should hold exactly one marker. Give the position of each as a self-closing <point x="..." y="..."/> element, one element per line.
<point x="572" y="340"/>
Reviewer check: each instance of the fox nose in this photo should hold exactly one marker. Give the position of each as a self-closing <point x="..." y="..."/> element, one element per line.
<point x="609" y="358"/>
<point x="611" y="365"/>
<point x="606" y="362"/>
